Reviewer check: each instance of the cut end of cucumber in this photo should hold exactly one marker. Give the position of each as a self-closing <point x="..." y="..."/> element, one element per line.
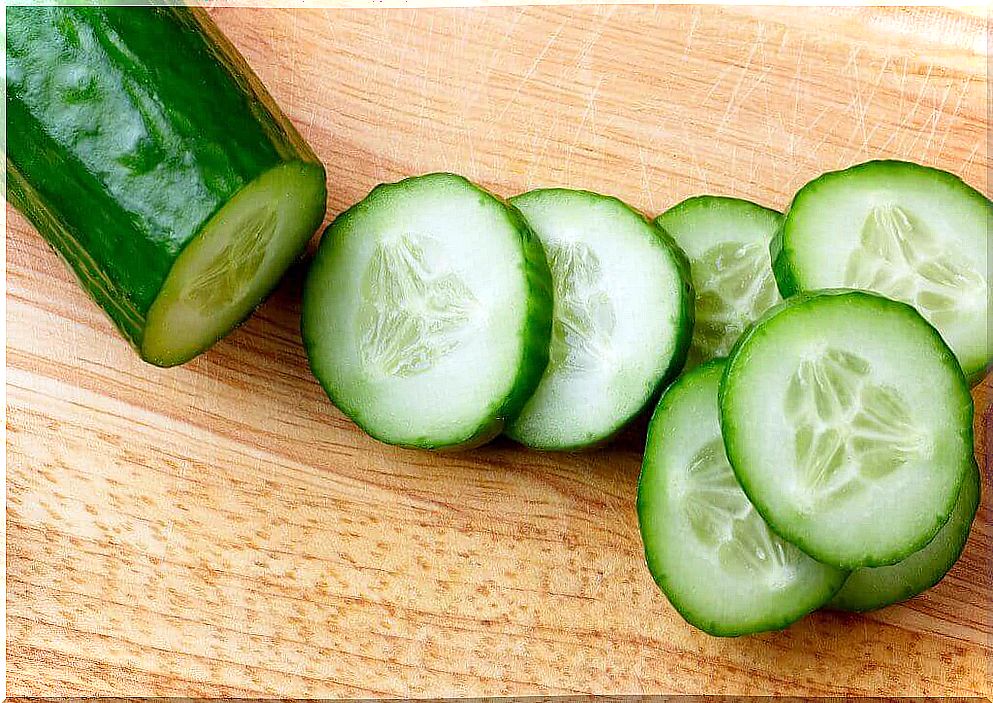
<point x="234" y="262"/>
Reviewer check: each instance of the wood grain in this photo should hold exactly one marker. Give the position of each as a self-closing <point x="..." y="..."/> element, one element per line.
<point x="220" y="529"/>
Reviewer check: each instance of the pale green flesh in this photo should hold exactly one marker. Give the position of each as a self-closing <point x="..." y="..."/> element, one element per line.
<point x="237" y="258"/>
<point x="903" y="259"/>
<point x="414" y="309"/>
<point x="839" y="409"/>
<point x="727" y="243"/>
<point x="415" y="312"/>
<point x="848" y="430"/>
<point x="707" y="547"/>
<point x="723" y="520"/>
<point x="585" y="319"/>
<point x="912" y="234"/>
<point x="616" y="320"/>
<point x="733" y="288"/>
<point x="871" y="588"/>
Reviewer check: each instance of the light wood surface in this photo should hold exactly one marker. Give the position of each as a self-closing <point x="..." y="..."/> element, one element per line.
<point x="220" y="529"/>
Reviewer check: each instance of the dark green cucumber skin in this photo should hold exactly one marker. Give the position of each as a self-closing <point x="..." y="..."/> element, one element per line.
<point x="738" y="354"/>
<point x="127" y="129"/>
<point x="713" y="201"/>
<point x="537" y="329"/>
<point x="539" y="319"/>
<point x="783" y="268"/>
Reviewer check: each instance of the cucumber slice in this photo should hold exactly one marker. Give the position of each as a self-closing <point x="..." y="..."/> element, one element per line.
<point x="871" y="588"/>
<point x="727" y="243"/>
<point x="175" y="189"/>
<point x="849" y="425"/>
<point x="708" y="549"/>
<point x="911" y="233"/>
<point x="622" y="317"/>
<point x="427" y="313"/>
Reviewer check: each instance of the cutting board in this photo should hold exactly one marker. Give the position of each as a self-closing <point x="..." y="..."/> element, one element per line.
<point x="220" y="529"/>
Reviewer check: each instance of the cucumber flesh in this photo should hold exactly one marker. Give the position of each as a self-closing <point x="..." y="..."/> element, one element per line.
<point x="235" y="260"/>
<point x="911" y="233"/>
<point x="427" y="313"/>
<point x="849" y="424"/>
<point x="622" y="317"/>
<point x="871" y="588"/>
<point x="707" y="547"/>
<point x="727" y="243"/>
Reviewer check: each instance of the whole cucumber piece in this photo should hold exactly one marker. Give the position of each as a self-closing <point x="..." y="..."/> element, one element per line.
<point x="146" y="152"/>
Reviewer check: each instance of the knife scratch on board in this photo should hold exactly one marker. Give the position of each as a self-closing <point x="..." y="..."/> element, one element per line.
<point x="525" y="79"/>
<point x="954" y="114"/>
<point x="590" y="110"/>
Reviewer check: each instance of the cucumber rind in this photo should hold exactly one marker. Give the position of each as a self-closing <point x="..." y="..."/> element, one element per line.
<point x="710" y="201"/>
<point x="833" y="579"/>
<point x="784" y="256"/>
<point x="538" y="327"/>
<point x="730" y="433"/>
<point x="681" y="343"/>
<point x="535" y="330"/>
<point x="127" y="318"/>
<point x="873" y="588"/>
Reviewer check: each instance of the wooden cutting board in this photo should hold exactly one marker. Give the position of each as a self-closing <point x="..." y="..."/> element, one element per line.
<point x="220" y="529"/>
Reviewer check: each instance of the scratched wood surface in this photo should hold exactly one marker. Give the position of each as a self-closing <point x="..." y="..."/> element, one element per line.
<point x="220" y="529"/>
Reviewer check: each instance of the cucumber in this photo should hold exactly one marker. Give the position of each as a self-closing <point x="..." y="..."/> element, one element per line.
<point x="623" y="316"/>
<point x="727" y="243"/>
<point x="870" y="588"/>
<point x="849" y="424"/>
<point x="911" y="233"/>
<point x="144" y="150"/>
<point x="707" y="548"/>
<point x="427" y="313"/>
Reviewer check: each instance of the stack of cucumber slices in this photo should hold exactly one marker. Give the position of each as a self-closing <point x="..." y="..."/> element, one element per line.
<point x="828" y="460"/>
<point x="817" y="449"/>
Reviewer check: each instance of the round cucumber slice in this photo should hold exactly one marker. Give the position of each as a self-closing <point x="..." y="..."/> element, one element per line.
<point x="427" y="313"/>
<point x="233" y="262"/>
<point x="849" y="424"/>
<point x="708" y="549"/>
<point x="623" y="312"/>
<point x="727" y="243"/>
<point x="909" y="232"/>
<point x="871" y="588"/>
